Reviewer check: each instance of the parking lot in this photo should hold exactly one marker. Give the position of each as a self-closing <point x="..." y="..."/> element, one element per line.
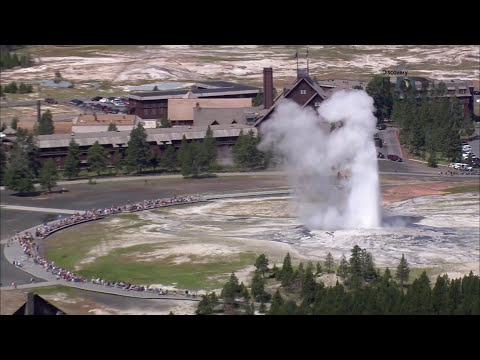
<point x="110" y="105"/>
<point x="390" y="144"/>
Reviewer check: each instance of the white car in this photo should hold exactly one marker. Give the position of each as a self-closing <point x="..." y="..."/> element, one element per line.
<point x="118" y="103"/>
<point x="103" y="100"/>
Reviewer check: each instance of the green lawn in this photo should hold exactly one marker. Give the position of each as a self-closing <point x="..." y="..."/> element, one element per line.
<point x="69" y="291"/>
<point x="463" y="189"/>
<point x="70" y="247"/>
<point x="194" y="276"/>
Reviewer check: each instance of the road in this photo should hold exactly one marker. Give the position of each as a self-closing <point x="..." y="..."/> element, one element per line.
<point x="390" y="142"/>
<point x="475" y="144"/>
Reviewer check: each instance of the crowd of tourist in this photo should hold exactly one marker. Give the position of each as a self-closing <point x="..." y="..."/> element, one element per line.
<point x="31" y="248"/>
<point x="44" y="230"/>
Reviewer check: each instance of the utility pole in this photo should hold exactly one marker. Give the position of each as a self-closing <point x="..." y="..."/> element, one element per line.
<point x="38" y="111"/>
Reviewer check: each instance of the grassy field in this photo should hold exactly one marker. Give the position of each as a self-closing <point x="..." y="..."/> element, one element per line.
<point x="463" y="189"/>
<point x="194" y="276"/>
<point x="67" y="290"/>
<point x="70" y="247"/>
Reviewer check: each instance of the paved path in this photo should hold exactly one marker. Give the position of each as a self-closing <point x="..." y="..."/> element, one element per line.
<point x="41" y="209"/>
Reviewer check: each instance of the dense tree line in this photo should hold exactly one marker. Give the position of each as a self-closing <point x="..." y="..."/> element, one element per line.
<point x="245" y="152"/>
<point x="13" y="88"/>
<point x="197" y="157"/>
<point x="432" y="124"/>
<point x="24" y="164"/>
<point x="364" y="291"/>
<point x="9" y="59"/>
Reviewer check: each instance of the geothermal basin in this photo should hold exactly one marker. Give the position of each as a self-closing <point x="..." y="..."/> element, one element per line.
<point x="433" y="232"/>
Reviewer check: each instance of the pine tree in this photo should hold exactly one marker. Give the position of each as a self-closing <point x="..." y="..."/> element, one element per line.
<point x="286" y="274"/>
<point x="209" y="149"/>
<point x="418" y="299"/>
<point x="169" y="159"/>
<point x="403" y="271"/>
<point x="14" y="123"/>
<point x="258" y="288"/>
<point x="309" y="286"/>
<point x="46" y="127"/>
<point x="277" y="303"/>
<point x="118" y="162"/>
<point x="165" y="122"/>
<point x="343" y="268"/>
<point x="262" y="309"/>
<point x="138" y="152"/>
<point x="58" y="77"/>
<point x="231" y="290"/>
<point x="329" y="263"/>
<point x="30" y="150"/>
<point x="71" y="167"/>
<point x="48" y="175"/>
<point x="319" y="269"/>
<point x="454" y="296"/>
<point x="261" y="264"/>
<point x="368" y="266"/>
<point x="382" y="99"/>
<point x="187" y="158"/>
<point x="97" y="158"/>
<point x="207" y="304"/>
<point x="440" y="295"/>
<point x="112" y="127"/>
<point x="239" y="150"/>
<point x="355" y="262"/>
<point x="18" y="176"/>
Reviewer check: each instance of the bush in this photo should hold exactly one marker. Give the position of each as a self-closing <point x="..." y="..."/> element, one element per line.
<point x="432" y="161"/>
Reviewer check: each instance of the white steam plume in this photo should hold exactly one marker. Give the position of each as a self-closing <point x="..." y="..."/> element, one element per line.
<point x="313" y="156"/>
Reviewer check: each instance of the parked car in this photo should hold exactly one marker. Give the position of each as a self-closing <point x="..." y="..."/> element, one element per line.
<point x="381" y="127"/>
<point x="76" y="102"/>
<point x="103" y="100"/>
<point x="119" y="103"/>
<point x="96" y="98"/>
<point x="51" y="101"/>
<point x="112" y="111"/>
<point x="394" y="158"/>
<point x="380" y="156"/>
<point x="378" y="142"/>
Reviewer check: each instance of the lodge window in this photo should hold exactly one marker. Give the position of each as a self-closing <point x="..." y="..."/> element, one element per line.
<point x="317" y="104"/>
<point x="303" y="92"/>
<point x="462" y="91"/>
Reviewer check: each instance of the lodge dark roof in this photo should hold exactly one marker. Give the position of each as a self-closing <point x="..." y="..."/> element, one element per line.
<point x="36" y="305"/>
<point x="203" y="89"/>
<point x="318" y="91"/>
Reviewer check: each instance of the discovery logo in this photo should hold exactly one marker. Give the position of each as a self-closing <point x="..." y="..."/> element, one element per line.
<point x="394" y="72"/>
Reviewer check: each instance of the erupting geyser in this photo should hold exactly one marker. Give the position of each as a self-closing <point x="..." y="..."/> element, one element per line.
<point x="332" y="168"/>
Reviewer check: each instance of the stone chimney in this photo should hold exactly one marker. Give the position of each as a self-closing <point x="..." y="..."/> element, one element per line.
<point x="267" y="87"/>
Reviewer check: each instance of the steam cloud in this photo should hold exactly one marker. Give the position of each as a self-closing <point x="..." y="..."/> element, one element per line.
<point x="312" y="157"/>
